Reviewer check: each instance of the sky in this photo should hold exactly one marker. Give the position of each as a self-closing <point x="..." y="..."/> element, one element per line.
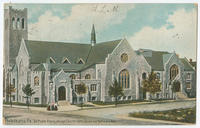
<point x="161" y="27"/>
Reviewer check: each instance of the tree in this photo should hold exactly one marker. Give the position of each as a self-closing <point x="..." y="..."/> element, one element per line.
<point x="28" y="91"/>
<point x="151" y="84"/>
<point x="81" y="89"/>
<point x="115" y="90"/>
<point x="175" y="86"/>
<point x="9" y="90"/>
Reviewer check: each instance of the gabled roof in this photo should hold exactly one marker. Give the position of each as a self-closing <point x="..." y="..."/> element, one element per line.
<point x="154" y="58"/>
<point x="194" y="64"/>
<point x="40" y="68"/>
<point x="157" y="59"/>
<point x="187" y="65"/>
<point x="42" y="51"/>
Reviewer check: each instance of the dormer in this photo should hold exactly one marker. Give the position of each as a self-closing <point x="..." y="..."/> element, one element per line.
<point x="51" y="60"/>
<point x="80" y="61"/>
<point x="66" y="61"/>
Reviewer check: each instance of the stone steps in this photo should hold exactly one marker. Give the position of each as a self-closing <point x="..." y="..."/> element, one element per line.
<point x="63" y="103"/>
<point x="180" y="95"/>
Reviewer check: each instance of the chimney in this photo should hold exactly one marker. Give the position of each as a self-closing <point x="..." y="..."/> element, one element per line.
<point x="190" y="60"/>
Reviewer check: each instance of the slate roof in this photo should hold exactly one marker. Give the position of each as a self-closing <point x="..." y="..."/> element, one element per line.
<point x="194" y="64"/>
<point x="154" y="58"/>
<point x="41" y="51"/>
<point x="187" y="65"/>
<point x="40" y="68"/>
<point x="157" y="59"/>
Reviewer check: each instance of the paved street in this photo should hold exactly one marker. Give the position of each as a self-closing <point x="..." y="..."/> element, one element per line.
<point x="102" y="116"/>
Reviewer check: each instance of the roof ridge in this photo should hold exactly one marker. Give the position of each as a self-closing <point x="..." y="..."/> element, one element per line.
<point x="109" y="41"/>
<point x="56" y="42"/>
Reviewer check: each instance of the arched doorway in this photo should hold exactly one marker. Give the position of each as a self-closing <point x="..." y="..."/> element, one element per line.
<point x="61" y="93"/>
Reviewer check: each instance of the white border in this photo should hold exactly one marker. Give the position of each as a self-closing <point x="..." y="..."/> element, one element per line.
<point x="98" y="1"/>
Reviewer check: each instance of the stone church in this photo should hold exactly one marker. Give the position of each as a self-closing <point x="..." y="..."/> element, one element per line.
<point x="55" y="69"/>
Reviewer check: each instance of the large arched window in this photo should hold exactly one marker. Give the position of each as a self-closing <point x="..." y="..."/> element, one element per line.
<point x="23" y="23"/>
<point x="13" y="23"/>
<point x="173" y="71"/>
<point x="18" y="23"/>
<point x="87" y="76"/>
<point x="36" y="80"/>
<point x="124" y="79"/>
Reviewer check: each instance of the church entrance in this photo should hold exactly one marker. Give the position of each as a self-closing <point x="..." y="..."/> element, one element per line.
<point x="61" y="93"/>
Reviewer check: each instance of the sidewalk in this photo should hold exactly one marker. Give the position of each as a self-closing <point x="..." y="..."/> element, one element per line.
<point x="74" y="107"/>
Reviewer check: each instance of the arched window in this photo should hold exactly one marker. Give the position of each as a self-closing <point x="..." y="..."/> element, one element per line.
<point x="23" y="24"/>
<point x="87" y="76"/>
<point x="13" y="23"/>
<point x="124" y="79"/>
<point x="158" y="76"/>
<point x="18" y="23"/>
<point x="173" y="71"/>
<point x="144" y="76"/>
<point x="36" y="80"/>
<point x="72" y="76"/>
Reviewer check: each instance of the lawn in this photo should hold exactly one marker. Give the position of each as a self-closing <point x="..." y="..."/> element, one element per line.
<point x="118" y="102"/>
<point x="23" y="104"/>
<point x="180" y="115"/>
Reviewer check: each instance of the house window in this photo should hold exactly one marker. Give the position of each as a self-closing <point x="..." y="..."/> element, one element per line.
<point x="173" y="72"/>
<point x="72" y="76"/>
<point x="188" y="85"/>
<point x="23" y="24"/>
<point x="18" y="23"/>
<point x="36" y="81"/>
<point x="144" y="76"/>
<point x="87" y="76"/>
<point x="36" y="100"/>
<point x="124" y="79"/>
<point x="188" y="77"/>
<point x="93" y="87"/>
<point x="13" y="23"/>
<point x="158" y="76"/>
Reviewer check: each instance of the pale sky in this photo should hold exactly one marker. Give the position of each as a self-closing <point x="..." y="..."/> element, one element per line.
<point x="166" y="27"/>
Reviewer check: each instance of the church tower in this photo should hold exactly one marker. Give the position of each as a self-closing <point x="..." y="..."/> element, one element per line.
<point x="93" y="36"/>
<point x="15" y="28"/>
